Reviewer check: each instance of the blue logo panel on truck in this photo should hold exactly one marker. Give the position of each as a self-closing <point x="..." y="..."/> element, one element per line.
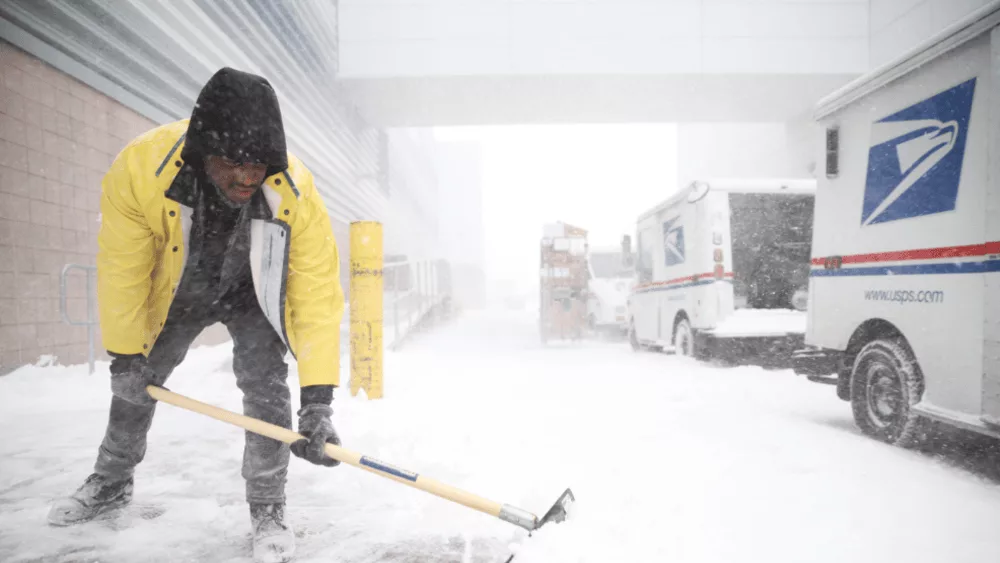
<point x="673" y="242"/>
<point x="915" y="159"/>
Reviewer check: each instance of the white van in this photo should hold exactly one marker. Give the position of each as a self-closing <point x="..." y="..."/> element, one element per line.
<point x="608" y="288"/>
<point x="721" y="264"/>
<point x="904" y="301"/>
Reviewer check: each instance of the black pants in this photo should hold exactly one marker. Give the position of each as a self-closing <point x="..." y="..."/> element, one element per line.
<point x="261" y="373"/>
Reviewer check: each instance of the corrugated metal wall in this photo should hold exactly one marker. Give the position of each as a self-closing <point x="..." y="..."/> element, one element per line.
<point x="154" y="55"/>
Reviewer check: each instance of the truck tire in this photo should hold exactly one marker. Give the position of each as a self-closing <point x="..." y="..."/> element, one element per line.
<point x="885" y="382"/>
<point x="684" y="339"/>
<point x="844" y="386"/>
<point x="633" y="338"/>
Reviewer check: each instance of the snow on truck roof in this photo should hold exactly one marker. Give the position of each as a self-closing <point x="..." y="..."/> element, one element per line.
<point x="756" y="185"/>
<point x="738" y="185"/>
<point x="953" y="36"/>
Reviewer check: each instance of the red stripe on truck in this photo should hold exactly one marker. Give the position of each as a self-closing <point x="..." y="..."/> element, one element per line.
<point x="693" y="278"/>
<point x="918" y="254"/>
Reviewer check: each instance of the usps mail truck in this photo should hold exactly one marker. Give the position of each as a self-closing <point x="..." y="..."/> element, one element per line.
<point x="724" y="263"/>
<point x="611" y="279"/>
<point x="904" y="300"/>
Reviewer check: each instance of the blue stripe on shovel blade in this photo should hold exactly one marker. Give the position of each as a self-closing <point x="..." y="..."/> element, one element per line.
<point x="386" y="468"/>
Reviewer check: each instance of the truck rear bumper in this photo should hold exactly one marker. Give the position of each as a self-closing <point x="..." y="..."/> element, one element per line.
<point x="817" y="364"/>
<point x="770" y="351"/>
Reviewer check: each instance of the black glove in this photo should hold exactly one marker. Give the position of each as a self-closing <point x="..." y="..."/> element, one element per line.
<point x="316" y="426"/>
<point x="130" y="374"/>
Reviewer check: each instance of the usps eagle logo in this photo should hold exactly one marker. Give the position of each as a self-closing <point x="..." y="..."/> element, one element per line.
<point x="673" y="242"/>
<point x="915" y="157"/>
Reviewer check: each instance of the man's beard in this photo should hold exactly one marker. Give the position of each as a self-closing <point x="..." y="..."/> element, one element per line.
<point x="230" y="203"/>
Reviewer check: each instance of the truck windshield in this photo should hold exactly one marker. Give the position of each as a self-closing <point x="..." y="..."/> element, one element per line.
<point x="608" y="265"/>
<point x="771" y="236"/>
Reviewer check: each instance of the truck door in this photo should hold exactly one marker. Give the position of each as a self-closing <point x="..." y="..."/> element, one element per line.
<point x="991" y="330"/>
<point x="644" y="308"/>
<point x="991" y="356"/>
<point x="675" y="229"/>
<point x="991" y="280"/>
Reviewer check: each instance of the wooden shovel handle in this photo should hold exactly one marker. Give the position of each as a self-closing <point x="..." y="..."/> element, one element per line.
<point x="338" y="453"/>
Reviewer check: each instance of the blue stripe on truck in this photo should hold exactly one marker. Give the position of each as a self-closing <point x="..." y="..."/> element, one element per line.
<point x="388" y="469"/>
<point x="914" y="269"/>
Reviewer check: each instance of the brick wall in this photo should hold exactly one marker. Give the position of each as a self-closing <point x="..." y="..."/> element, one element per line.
<point x="57" y="139"/>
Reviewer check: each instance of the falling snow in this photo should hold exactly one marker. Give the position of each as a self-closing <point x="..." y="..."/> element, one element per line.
<point x="670" y="460"/>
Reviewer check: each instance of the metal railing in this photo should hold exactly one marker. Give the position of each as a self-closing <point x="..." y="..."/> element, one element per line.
<point x="413" y="292"/>
<point x="91" y="322"/>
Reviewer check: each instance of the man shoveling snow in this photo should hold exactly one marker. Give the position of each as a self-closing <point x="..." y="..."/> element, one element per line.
<point x="211" y="220"/>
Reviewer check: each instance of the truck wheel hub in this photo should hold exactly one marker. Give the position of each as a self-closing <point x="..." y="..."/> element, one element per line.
<point x="884" y="395"/>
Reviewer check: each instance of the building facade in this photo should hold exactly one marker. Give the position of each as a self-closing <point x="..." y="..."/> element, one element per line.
<point x="79" y="80"/>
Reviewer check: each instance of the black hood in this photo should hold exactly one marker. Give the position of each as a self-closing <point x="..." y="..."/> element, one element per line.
<point x="237" y="116"/>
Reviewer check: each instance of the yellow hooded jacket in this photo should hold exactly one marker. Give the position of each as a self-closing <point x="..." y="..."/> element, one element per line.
<point x="143" y="244"/>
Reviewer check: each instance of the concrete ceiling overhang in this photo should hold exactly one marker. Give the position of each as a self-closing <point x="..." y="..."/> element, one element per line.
<point x="497" y="100"/>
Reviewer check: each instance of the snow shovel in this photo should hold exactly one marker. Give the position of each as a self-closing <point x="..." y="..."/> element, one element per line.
<point x="505" y="512"/>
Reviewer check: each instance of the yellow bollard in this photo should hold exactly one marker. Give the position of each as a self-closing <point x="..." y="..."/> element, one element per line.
<point x="366" y="308"/>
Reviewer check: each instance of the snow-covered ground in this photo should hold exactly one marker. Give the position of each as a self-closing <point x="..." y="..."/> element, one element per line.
<point x="670" y="460"/>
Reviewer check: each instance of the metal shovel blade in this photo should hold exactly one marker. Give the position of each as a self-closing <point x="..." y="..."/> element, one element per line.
<point x="555" y="514"/>
<point x="558" y="511"/>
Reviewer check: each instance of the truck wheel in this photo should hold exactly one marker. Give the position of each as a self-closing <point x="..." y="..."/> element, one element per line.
<point x="633" y="338"/>
<point x="885" y="382"/>
<point x="844" y="386"/>
<point x="684" y="339"/>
